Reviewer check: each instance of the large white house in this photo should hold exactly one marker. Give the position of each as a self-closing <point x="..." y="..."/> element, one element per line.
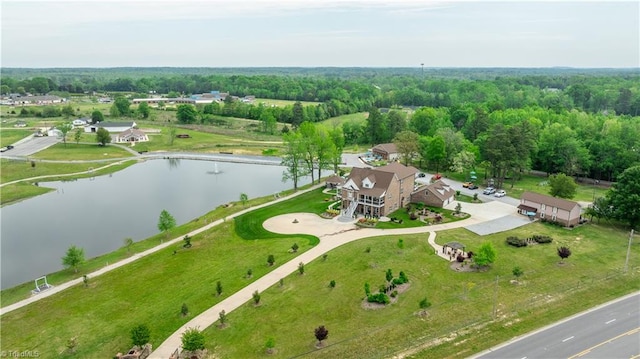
<point x="112" y="127"/>
<point x="130" y="135"/>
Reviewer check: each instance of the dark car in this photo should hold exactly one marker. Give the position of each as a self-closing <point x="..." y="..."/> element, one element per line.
<point x="4" y="149"/>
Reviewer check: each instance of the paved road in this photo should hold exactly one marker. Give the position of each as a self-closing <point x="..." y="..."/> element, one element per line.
<point x="31" y="145"/>
<point x="611" y="330"/>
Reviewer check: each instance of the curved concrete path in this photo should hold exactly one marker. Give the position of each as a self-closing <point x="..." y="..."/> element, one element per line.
<point x="60" y="287"/>
<point x="332" y="234"/>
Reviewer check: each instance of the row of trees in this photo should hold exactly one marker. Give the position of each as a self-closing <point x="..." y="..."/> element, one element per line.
<point x="310" y="149"/>
<point x="590" y="91"/>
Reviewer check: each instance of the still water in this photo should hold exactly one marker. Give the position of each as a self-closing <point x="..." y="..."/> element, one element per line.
<point x="97" y="214"/>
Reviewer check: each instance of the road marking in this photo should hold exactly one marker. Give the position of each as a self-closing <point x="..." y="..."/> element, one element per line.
<point x="571" y="337"/>
<point x="586" y="351"/>
<point x="523" y="358"/>
<point x="611" y="321"/>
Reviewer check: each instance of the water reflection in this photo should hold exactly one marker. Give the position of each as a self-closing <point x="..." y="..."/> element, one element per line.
<point x="98" y="213"/>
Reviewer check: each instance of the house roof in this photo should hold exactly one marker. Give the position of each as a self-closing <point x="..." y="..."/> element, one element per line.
<point x="439" y="189"/>
<point x="399" y="169"/>
<point x="381" y="180"/>
<point x="131" y="132"/>
<point x="335" y="179"/>
<point x="549" y="201"/>
<point x="115" y="124"/>
<point x="386" y="147"/>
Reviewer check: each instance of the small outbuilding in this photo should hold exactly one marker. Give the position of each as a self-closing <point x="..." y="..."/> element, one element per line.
<point x="436" y="194"/>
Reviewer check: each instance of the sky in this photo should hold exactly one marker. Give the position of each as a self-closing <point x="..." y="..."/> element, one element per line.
<point x="319" y="33"/>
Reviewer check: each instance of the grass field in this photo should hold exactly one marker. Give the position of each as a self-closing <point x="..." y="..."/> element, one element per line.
<point x="101" y="315"/>
<point x="12" y="135"/>
<point x="290" y="313"/>
<point x="282" y="103"/>
<point x="359" y="117"/>
<point x="81" y="152"/>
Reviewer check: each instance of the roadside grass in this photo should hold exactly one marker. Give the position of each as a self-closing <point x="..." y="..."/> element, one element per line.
<point x="467" y="199"/>
<point x="149" y="291"/>
<point x="22" y="291"/>
<point x="81" y="152"/>
<point x="290" y="313"/>
<point x="11" y="136"/>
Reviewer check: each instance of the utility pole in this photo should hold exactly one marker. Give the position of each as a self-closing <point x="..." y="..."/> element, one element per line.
<point x="422" y="65"/>
<point x="626" y="262"/>
<point x="495" y="298"/>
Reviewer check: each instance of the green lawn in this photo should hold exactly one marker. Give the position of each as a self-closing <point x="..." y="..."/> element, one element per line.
<point x="81" y="152"/>
<point x="11" y="136"/>
<point x="282" y="103"/>
<point x="151" y="290"/>
<point x="359" y="117"/>
<point x="290" y="313"/>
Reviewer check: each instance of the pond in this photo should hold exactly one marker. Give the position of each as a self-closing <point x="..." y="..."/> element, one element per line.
<point x="98" y="213"/>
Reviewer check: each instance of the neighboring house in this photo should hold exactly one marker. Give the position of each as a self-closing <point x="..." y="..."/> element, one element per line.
<point x="436" y="194"/>
<point x="387" y="151"/>
<point x="550" y="208"/>
<point x="131" y="135"/>
<point x="111" y="126"/>
<point x="19" y="100"/>
<point x="377" y="192"/>
<point x="20" y="124"/>
<point x="334" y="181"/>
<point x="80" y="122"/>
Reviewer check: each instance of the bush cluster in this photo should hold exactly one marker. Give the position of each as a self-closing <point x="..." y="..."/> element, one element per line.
<point x="378" y="298"/>
<point x="516" y="242"/>
<point x="542" y="239"/>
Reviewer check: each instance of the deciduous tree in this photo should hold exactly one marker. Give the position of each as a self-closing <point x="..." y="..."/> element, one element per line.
<point x="166" y="221"/>
<point x="563" y="186"/>
<point x="73" y="258"/>
<point x="77" y="136"/>
<point x="187" y="114"/>
<point x="102" y="136"/>
<point x="321" y="334"/>
<point x="485" y="256"/>
<point x="624" y="197"/>
<point x="407" y="144"/>
<point x="64" y="129"/>
<point x="563" y="253"/>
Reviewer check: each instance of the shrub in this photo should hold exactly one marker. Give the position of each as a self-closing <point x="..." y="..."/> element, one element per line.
<point x="140" y="335"/>
<point x="367" y="250"/>
<point x="294" y="247"/>
<point x="367" y="289"/>
<point x="424" y="303"/>
<point x="517" y="271"/>
<point x="413" y="216"/>
<point x="192" y="340"/>
<point x="271" y="260"/>
<point x="378" y="298"/>
<point x="542" y="239"/>
<point x="460" y="258"/>
<point x="184" y="310"/>
<point x="223" y="317"/>
<point x="516" y="242"/>
<point x="332" y="284"/>
<point x="256" y="297"/>
<point x="219" y="288"/>
<point x="394" y="294"/>
<point x="301" y="268"/>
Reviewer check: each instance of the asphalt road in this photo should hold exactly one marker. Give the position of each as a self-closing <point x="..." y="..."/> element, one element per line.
<point x="608" y="331"/>
<point x="31" y="146"/>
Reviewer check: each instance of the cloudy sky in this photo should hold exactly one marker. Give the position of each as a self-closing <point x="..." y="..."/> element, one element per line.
<point x="311" y="33"/>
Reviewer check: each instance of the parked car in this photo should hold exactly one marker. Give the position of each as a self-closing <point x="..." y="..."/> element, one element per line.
<point x="467" y="184"/>
<point x="500" y="193"/>
<point x="5" y="149"/>
<point x="489" y="190"/>
<point x="472" y="186"/>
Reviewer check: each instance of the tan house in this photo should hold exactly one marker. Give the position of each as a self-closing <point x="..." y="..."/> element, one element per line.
<point x="436" y="194"/>
<point x="377" y="192"/>
<point x="550" y="208"/>
<point x="387" y="151"/>
<point x="131" y="135"/>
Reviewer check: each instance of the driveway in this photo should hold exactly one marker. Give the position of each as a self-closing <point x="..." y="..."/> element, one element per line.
<point x="30" y="146"/>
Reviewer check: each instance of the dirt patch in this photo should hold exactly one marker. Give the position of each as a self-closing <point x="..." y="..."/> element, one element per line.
<point x="465" y="267"/>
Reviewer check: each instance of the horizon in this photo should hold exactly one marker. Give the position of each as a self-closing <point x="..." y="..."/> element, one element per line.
<point x="333" y="33"/>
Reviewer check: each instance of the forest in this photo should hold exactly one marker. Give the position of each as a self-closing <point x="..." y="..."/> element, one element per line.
<point x="581" y="122"/>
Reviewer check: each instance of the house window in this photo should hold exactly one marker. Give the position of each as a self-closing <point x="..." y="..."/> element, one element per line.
<point x="553" y="218"/>
<point x="555" y="210"/>
<point x="543" y="207"/>
<point x="542" y="214"/>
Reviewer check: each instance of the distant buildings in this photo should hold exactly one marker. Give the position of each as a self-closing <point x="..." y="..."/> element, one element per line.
<point x="204" y="98"/>
<point x="19" y="100"/>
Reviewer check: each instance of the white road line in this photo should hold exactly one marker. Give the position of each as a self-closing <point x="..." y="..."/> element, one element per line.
<point x="571" y="337"/>
<point x="611" y="321"/>
<point x="523" y="358"/>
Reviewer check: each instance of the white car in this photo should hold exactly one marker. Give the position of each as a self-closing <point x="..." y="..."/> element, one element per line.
<point x="500" y="193"/>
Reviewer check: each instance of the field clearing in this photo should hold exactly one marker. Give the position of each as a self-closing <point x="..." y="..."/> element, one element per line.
<point x="11" y="136"/>
<point x="282" y="103"/>
<point x="359" y="117"/>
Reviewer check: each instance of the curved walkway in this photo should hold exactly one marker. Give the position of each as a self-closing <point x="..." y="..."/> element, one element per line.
<point x="332" y="234"/>
<point x="58" y="288"/>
